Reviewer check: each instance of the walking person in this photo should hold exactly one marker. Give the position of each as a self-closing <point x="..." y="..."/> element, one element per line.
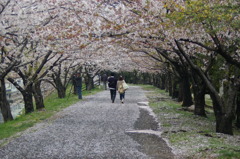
<point x="78" y="84"/>
<point x="121" y="89"/>
<point x="104" y="79"/>
<point x="112" y="84"/>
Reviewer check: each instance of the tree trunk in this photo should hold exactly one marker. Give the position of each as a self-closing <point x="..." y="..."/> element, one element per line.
<point x="238" y="110"/>
<point x="166" y="84"/>
<point x="89" y="85"/>
<point x="61" y="92"/>
<point x="28" y="99"/>
<point x="225" y="109"/>
<point x="27" y="93"/>
<point x="180" y="92"/>
<point x="92" y="83"/>
<point x="74" y="85"/>
<point x="89" y="82"/>
<point x="157" y="80"/>
<point x="146" y="78"/>
<point x="187" y="95"/>
<point x="162" y="84"/>
<point x="223" y="121"/>
<point x="135" y="77"/>
<point x="154" y="80"/>
<point x="38" y="96"/>
<point x="61" y="89"/>
<point x="199" y="101"/>
<point x="199" y="88"/>
<point x="170" y="84"/>
<point x="175" y="90"/>
<point x="224" y="106"/>
<point x="4" y="104"/>
<point x="74" y="89"/>
<point x="224" y="124"/>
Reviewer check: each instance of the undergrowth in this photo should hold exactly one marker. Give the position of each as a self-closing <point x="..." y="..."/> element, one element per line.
<point x="189" y="135"/>
<point x="53" y="104"/>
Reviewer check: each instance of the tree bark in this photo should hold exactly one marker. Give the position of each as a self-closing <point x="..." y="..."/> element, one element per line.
<point x="155" y="80"/>
<point x="223" y="121"/>
<point x="146" y="78"/>
<point x="92" y="83"/>
<point x="61" y="92"/>
<point x="162" y="83"/>
<point x="28" y="98"/>
<point x="135" y="77"/>
<point x="166" y="83"/>
<point x="4" y="104"/>
<point x="27" y="93"/>
<point x="199" y="88"/>
<point x="170" y="84"/>
<point x="224" y="110"/>
<point x="158" y="80"/>
<point x="89" y="82"/>
<point x="180" y="92"/>
<point x="238" y="110"/>
<point x="187" y="95"/>
<point x="175" y="90"/>
<point x="224" y="106"/>
<point x="199" y="101"/>
<point x="38" y="96"/>
<point x="61" y="89"/>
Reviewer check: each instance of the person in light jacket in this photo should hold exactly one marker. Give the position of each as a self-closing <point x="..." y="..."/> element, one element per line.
<point x="120" y="88"/>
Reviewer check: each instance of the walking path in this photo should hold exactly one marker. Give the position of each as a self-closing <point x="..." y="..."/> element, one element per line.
<point x="94" y="128"/>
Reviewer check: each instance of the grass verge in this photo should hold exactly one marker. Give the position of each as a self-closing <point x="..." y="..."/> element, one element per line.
<point x="52" y="105"/>
<point x="189" y="135"/>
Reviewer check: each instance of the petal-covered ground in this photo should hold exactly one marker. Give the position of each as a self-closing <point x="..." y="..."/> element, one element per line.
<point x="94" y="128"/>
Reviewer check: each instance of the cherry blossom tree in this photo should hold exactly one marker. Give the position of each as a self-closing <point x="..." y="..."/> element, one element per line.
<point x="214" y="29"/>
<point x="183" y="40"/>
<point x="61" y="76"/>
<point x="205" y="31"/>
<point x="10" y="57"/>
<point x="20" y="42"/>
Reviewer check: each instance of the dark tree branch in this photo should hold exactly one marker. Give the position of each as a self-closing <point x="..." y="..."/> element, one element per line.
<point x="199" y="71"/>
<point x="16" y="84"/>
<point x="52" y="83"/>
<point x="198" y="43"/>
<point x="44" y="61"/>
<point x="51" y="67"/>
<point x="220" y="50"/>
<point x="224" y="53"/>
<point x="3" y="7"/>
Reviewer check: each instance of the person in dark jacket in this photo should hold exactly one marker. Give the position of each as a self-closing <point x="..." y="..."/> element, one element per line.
<point x="112" y="84"/>
<point x="104" y="80"/>
<point x="78" y="85"/>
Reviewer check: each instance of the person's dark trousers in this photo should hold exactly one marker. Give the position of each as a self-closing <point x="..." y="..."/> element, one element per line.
<point x="79" y="92"/>
<point x="113" y="95"/>
<point x="122" y="96"/>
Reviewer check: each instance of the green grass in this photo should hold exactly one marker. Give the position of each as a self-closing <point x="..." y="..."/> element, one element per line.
<point x="52" y="105"/>
<point x="173" y="119"/>
<point x="229" y="154"/>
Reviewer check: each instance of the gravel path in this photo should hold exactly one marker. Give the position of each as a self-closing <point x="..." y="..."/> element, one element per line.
<point x="91" y="129"/>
